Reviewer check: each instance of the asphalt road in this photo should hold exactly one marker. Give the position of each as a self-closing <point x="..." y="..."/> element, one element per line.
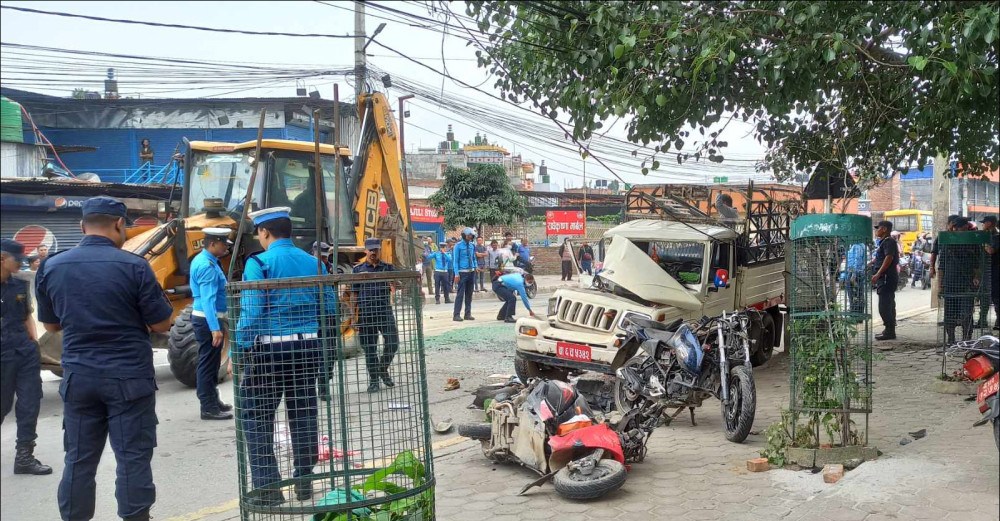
<point x="195" y="466"/>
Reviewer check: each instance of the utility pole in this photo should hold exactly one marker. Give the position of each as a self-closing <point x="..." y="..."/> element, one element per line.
<point x="586" y="188"/>
<point x="360" y="65"/>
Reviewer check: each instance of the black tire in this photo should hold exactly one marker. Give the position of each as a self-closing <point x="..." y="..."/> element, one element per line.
<point x="624" y="402"/>
<point x="182" y="351"/>
<point x="764" y="334"/>
<point x="476" y="431"/>
<point x="738" y="418"/>
<point x="531" y="290"/>
<point x="608" y="476"/>
<point x="526" y="369"/>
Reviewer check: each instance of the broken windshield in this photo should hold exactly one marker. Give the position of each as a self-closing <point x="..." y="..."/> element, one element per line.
<point x="682" y="260"/>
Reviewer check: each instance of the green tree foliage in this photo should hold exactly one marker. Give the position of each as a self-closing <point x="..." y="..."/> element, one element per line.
<point x="477" y="196"/>
<point x="870" y="86"/>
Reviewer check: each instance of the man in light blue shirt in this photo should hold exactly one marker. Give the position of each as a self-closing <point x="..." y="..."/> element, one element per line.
<point x="505" y="286"/>
<point x="465" y="265"/>
<point x="442" y="265"/>
<point x="523" y="260"/>
<point x="855" y="274"/>
<point x="278" y="345"/>
<point x="208" y="287"/>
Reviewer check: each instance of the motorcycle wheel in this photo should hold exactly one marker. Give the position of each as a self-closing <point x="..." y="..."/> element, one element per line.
<point x="738" y="416"/>
<point x="476" y="431"/>
<point x="609" y="475"/>
<point x="625" y="400"/>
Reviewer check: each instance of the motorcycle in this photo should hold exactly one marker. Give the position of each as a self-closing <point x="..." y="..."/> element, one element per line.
<point x="548" y="427"/>
<point x="679" y="366"/>
<point x="531" y="288"/>
<point x="982" y="363"/>
<point x="920" y="271"/>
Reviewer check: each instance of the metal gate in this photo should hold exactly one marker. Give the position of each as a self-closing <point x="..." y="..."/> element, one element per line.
<point x="59" y="230"/>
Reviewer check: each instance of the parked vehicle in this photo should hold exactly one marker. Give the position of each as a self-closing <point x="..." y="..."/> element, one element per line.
<point x="549" y="428"/>
<point x="919" y="271"/>
<point x="982" y="363"/>
<point x="678" y="365"/>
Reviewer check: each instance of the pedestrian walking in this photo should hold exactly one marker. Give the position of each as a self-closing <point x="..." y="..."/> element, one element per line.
<point x="566" y="255"/>
<point x="442" y="271"/>
<point x="20" y="364"/>
<point x="105" y="301"/>
<point x="277" y="343"/>
<point x="481" y="258"/>
<point x="885" y="279"/>
<point x="464" y="262"/>
<point x="373" y="301"/>
<point x="993" y="250"/>
<point x="208" y="313"/>
<point x="586" y="255"/>
<point x="505" y="285"/>
<point x="427" y="260"/>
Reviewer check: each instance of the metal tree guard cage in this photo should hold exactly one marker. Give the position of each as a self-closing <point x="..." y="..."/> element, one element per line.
<point x="313" y="442"/>
<point x="830" y="321"/>
<point x="964" y="278"/>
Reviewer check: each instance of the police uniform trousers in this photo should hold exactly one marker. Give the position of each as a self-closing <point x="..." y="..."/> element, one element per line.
<point x="96" y="409"/>
<point x="442" y="283"/>
<point x="274" y="371"/>
<point x="21" y="376"/>
<point x="466" y="284"/>
<point x="509" y="300"/>
<point x="209" y="363"/>
<point x="372" y="322"/>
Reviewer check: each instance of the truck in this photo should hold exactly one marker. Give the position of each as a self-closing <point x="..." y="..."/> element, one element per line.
<point x="215" y="181"/>
<point x="678" y="254"/>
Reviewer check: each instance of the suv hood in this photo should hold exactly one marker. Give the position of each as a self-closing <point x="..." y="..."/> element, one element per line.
<point x="627" y="266"/>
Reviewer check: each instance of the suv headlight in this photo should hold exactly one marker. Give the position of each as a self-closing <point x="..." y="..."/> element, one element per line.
<point x="553" y="306"/>
<point x="630" y="314"/>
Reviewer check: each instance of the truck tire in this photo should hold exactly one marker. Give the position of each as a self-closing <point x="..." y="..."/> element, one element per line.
<point x="764" y="334"/>
<point x="476" y="431"/>
<point x="608" y="476"/>
<point x="182" y="351"/>
<point x="526" y="369"/>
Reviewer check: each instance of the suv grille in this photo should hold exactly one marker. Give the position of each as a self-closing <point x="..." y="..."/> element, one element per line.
<point x="586" y="315"/>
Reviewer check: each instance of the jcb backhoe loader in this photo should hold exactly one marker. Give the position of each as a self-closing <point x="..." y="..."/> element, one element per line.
<point x="215" y="184"/>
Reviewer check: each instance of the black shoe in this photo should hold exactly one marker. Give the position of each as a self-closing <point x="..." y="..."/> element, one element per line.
<point x="266" y="498"/>
<point x="886" y="335"/>
<point x="216" y="415"/>
<point x="387" y="380"/>
<point x="500" y="318"/>
<point x="469" y="317"/>
<point x="225" y="407"/>
<point x="438" y="301"/>
<point x="446" y="301"/>
<point x="303" y="490"/>
<point x="141" y="516"/>
<point x="457" y="318"/>
<point x="25" y="463"/>
<point x="509" y="320"/>
<point x="373" y="387"/>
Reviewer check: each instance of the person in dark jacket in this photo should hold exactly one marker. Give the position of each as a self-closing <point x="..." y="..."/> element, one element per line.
<point x="586" y="256"/>
<point x="566" y="255"/>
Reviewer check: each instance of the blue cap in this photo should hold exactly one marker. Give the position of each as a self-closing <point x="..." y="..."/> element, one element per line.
<point x="269" y="214"/>
<point x="13" y="248"/>
<point x="105" y="205"/>
<point x="373" y="244"/>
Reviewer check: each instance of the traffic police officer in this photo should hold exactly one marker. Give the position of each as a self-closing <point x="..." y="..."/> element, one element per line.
<point x="505" y="286"/>
<point x="208" y="287"/>
<point x="20" y="365"/>
<point x="105" y="301"/>
<point x="465" y="265"/>
<point x="442" y="267"/>
<point x="374" y="304"/>
<point x="277" y="343"/>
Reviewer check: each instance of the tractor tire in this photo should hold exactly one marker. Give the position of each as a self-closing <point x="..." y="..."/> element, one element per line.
<point x="182" y="351"/>
<point x="476" y="431"/>
<point x="608" y="476"/>
<point x="764" y="334"/>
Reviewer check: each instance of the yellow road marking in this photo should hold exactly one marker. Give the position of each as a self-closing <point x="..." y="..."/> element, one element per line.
<point x="235" y="503"/>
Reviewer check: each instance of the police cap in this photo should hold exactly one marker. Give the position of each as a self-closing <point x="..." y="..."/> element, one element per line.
<point x="12" y="248"/>
<point x="105" y="205"/>
<point x="269" y="214"/>
<point x="884" y="224"/>
<point x="373" y="244"/>
<point x="217" y="234"/>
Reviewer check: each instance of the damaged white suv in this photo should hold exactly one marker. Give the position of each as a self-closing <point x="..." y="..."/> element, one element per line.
<point x="659" y="270"/>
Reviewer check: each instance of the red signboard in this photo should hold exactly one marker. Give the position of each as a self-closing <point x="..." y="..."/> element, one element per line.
<point x="418" y="214"/>
<point x="559" y="222"/>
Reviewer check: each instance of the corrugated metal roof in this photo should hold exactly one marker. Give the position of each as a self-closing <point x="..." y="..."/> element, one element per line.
<point x="61" y="186"/>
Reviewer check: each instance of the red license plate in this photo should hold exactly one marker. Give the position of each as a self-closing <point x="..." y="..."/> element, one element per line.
<point x="575" y="352"/>
<point x="988" y="388"/>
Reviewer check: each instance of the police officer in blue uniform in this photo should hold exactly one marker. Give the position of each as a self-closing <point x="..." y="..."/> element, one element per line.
<point x="20" y="365"/>
<point x="208" y="287"/>
<point x="105" y="301"/>
<point x="374" y="304"/>
<point x="277" y="343"/>
<point x="464" y="262"/>
<point x="442" y="267"/>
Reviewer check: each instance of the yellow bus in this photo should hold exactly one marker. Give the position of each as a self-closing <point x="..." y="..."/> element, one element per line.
<point x="910" y="224"/>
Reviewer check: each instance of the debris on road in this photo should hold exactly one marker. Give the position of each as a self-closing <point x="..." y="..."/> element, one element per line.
<point x="452" y="384"/>
<point x="758" y="465"/>
<point x="443" y="426"/>
<point x="916" y="435"/>
<point x="833" y="473"/>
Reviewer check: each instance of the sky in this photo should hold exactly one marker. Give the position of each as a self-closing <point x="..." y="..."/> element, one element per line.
<point x="427" y="122"/>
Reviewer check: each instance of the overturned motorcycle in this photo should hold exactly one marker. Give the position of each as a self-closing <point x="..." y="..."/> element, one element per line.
<point x="549" y="428"/>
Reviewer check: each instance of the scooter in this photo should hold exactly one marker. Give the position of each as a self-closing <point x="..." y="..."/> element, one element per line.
<point x="982" y="363"/>
<point x="549" y="428"/>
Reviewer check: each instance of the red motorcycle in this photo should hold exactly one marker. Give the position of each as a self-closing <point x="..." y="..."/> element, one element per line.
<point x="549" y="428"/>
<point x="982" y="363"/>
